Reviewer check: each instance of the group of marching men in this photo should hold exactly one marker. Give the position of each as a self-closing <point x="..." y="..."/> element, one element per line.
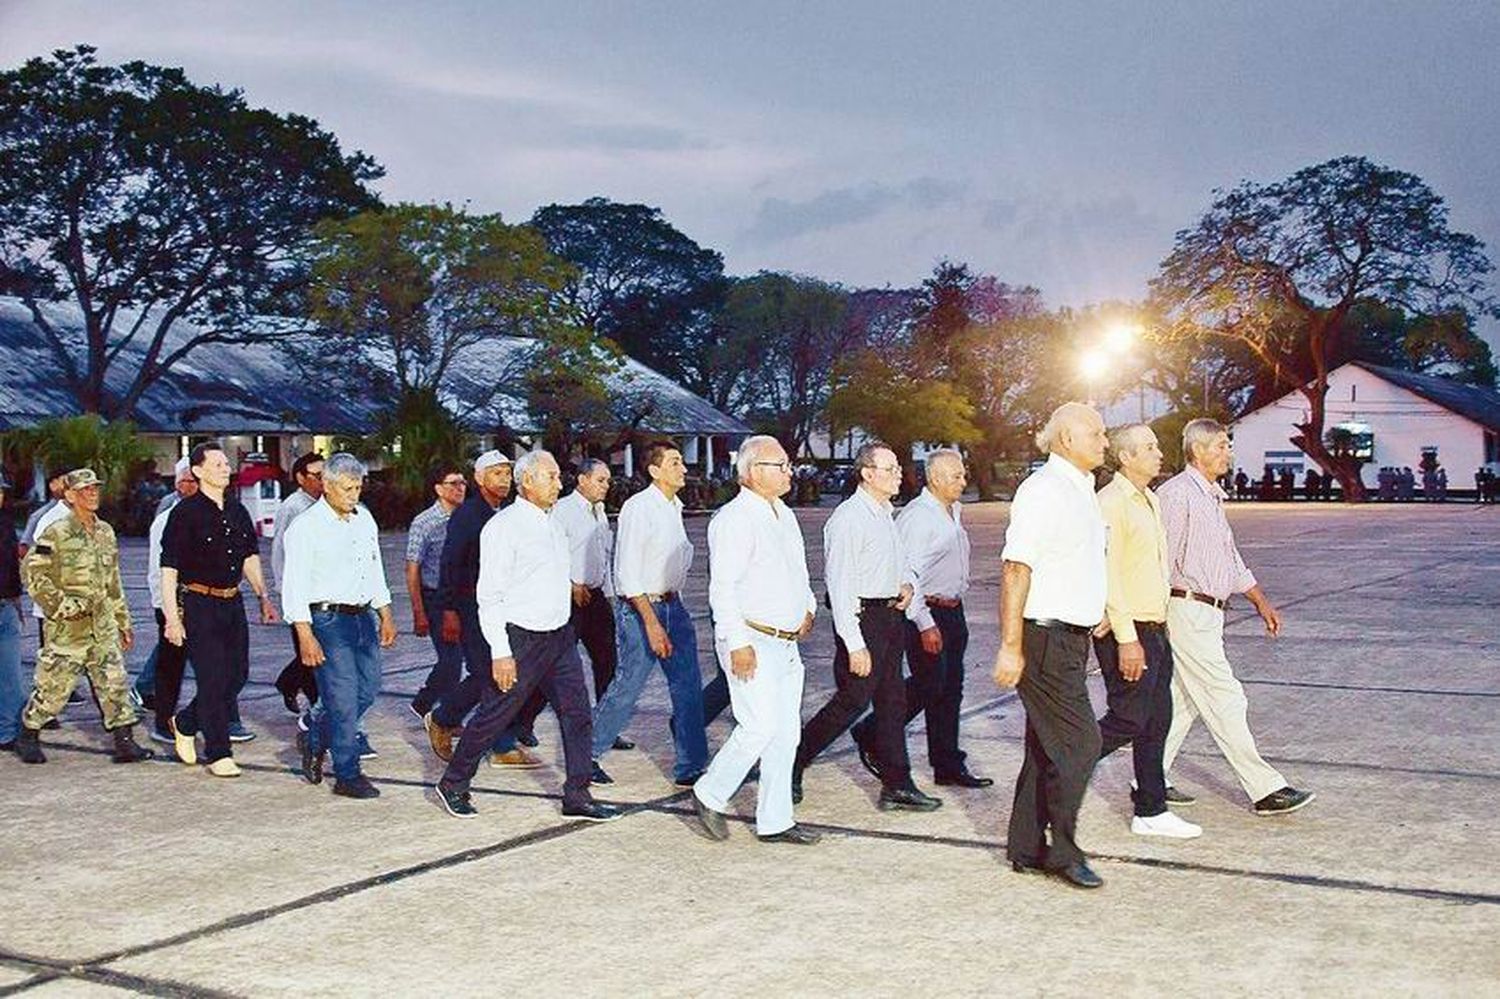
<point x="507" y="593"/>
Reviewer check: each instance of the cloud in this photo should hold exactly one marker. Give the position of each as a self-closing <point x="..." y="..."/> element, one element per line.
<point x="778" y="219"/>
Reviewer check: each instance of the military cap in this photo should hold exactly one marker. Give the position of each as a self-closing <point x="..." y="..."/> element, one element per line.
<point x="81" y="478"/>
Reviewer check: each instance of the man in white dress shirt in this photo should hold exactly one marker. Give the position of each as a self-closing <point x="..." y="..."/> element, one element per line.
<point x="762" y="605"/>
<point x="307" y="472"/>
<point x="652" y="558"/>
<point x="525" y="597"/>
<point x="937" y="631"/>
<point x="1053" y="583"/>
<point x="870" y="586"/>
<point x="591" y="545"/>
<point x="334" y="579"/>
<point x="174" y="656"/>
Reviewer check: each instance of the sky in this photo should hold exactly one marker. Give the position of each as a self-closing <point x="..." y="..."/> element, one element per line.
<point x="1058" y="144"/>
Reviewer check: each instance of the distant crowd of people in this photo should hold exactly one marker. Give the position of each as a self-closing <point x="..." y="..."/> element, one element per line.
<point x="1392" y="484"/>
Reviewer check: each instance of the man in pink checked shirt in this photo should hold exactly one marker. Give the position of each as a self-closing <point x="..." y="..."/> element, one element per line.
<point x="1205" y="570"/>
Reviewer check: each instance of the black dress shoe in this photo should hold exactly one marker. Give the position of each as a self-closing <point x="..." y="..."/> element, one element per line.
<point x="456" y="803"/>
<point x="289" y="698"/>
<point x="593" y="811"/>
<point x="528" y="739"/>
<point x="797" y="788"/>
<point x="962" y="779"/>
<point x="1024" y="867"/>
<point x="358" y="787"/>
<point x="623" y="744"/>
<point x="689" y="780"/>
<point x="1079" y="875"/>
<point x="867" y="759"/>
<point x="799" y="835"/>
<point x="908" y="799"/>
<point x="714" y="825"/>
<point x="598" y="776"/>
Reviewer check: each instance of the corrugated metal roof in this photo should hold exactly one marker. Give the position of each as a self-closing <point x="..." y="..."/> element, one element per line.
<point x="1481" y="405"/>
<point x="256" y="388"/>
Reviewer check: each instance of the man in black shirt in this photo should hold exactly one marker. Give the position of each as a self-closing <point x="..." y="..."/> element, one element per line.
<point x="12" y="687"/>
<point x="206" y="548"/>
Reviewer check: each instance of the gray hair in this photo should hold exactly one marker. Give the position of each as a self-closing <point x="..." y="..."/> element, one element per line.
<point x="589" y="466"/>
<point x="865" y="456"/>
<point x="528" y="461"/>
<point x="1124" y="440"/>
<point x="1199" y="431"/>
<point x="751" y="450"/>
<point x="344" y="465"/>
<point x="1063" y="417"/>
<point x="941" y="454"/>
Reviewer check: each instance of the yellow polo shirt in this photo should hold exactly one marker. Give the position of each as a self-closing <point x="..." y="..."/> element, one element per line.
<point x="1136" y="557"/>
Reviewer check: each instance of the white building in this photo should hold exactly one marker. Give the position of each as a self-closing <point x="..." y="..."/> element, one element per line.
<point x="1397" y="415"/>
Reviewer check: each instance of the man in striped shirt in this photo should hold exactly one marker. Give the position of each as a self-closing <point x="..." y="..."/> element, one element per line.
<point x="1205" y="569"/>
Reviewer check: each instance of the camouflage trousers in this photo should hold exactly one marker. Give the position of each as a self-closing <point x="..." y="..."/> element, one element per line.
<point x="57" y="674"/>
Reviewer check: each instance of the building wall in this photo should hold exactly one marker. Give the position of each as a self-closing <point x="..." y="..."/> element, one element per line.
<point x="1403" y="424"/>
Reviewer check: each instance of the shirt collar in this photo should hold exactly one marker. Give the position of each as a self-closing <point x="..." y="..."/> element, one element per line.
<point x="674" y="503"/>
<point x="1071" y="472"/>
<point x="1130" y="487"/>
<point x="529" y="509"/>
<point x="1201" y="481"/>
<point x="876" y="506"/>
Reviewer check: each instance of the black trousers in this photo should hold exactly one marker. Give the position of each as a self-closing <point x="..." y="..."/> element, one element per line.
<point x="547" y="662"/>
<point x="881" y="628"/>
<point x="1140" y="713"/>
<point x="171" y="664"/>
<point x="594" y="624"/>
<point x="935" y="685"/>
<point x="218" y="643"/>
<point x="1062" y="746"/>
<point x="294" y="676"/>
<point x="454" y="706"/>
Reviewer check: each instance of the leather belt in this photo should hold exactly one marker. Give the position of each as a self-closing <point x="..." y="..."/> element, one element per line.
<point x="1050" y="624"/>
<point x="222" y="592"/>
<point x="766" y="629"/>
<point x="890" y="602"/>
<point x="661" y="598"/>
<point x="319" y="608"/>
<point x="946" y="603"/>
<point x="1202" y="598"/>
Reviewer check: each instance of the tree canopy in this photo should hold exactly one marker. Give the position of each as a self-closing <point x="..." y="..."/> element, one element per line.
<point x="130" y="190"/>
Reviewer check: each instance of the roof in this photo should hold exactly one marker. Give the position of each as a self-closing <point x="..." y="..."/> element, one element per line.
<point x="254" y="388"/>
<point x="1479" y="404"/>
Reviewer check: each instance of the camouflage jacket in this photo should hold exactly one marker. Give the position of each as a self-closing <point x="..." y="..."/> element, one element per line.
<point x="73" y="575"/>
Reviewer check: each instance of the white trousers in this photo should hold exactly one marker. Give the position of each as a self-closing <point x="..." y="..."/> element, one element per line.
<point x="1204" y="686"/>
<point x="767" y="727"/>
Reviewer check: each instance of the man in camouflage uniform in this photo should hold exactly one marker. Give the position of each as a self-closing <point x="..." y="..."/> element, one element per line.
<point x="73" y="573"/>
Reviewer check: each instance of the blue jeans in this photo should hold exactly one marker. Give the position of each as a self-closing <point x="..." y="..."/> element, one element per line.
<point x="145" y="680"/>
<point x="13" y="690"/>
<point x="684" y="684"/>
<point x="348" y="682"/>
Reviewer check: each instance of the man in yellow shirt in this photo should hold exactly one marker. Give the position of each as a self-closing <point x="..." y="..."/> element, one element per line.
<point x="1131" y="644"/>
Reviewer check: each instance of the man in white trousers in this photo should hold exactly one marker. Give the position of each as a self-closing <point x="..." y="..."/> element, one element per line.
<point x="762" y="606"/>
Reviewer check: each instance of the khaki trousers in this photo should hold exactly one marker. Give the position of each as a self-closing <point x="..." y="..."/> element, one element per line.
<point x="1203" y="686"/>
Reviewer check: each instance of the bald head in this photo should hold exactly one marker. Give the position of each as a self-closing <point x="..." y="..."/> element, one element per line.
<point x="1075" y="432"/>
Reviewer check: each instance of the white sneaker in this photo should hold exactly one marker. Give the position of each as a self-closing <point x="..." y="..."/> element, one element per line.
<point x="1165" y="824"/>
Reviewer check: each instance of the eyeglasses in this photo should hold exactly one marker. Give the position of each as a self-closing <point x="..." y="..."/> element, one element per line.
<point x="455" y="483"/>
<point x="312" y="475"/>
<point x="887" y="468"/>
<point x="785" y="466"/>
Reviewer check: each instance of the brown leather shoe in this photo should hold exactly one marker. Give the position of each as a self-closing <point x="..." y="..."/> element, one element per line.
<point x="517" y="759"/>
<point x="440" y="736"/>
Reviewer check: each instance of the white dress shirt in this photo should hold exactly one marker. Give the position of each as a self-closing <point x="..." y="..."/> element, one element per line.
<point x="290" y="509"/>
<point x="1056" y="528"/>
<point x="523" y="574"/>
<point x="757" y="569"/>
<point x="332" y="559"/>
<point x="652" y="553"/>
<point x="153" y="556"/>
<point x="590" y="541"/>
<point x="937" y="549"/>
<point x="864" y="557"/>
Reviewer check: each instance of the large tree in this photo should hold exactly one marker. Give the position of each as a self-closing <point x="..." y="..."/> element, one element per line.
<point x="1278" y="268"/>
<point x="786" y="332"/>
<point x="645" y="285"/>
<point x="144" y="199"/>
